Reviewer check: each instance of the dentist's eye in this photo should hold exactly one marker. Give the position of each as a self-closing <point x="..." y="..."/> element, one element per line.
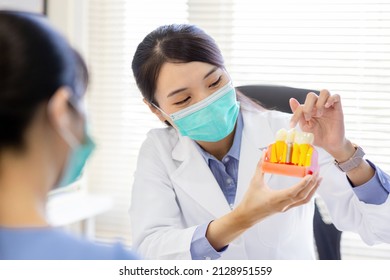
<point x="216" y="83"/>
<point x="182" y="101"/>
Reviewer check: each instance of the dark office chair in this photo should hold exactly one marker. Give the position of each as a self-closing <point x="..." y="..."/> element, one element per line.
<point x="274" y="97"/>
<point x="327" y="236"/>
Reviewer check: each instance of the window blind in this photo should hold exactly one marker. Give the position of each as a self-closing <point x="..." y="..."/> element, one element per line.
<point x="120" y="119"/>
<point x="339" y="45"/>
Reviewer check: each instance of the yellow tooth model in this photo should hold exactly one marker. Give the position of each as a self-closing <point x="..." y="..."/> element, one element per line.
<point x="306" y="144"/>
<point x="292" y="154"/>
<point x="281" y="146"/>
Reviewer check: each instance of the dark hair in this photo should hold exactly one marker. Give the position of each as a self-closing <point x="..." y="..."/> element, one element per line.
<point x="171" y="43"/>
<point x="35" y="61"/>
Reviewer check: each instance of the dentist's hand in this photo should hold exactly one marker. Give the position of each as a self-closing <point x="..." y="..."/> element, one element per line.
<point x="323" y="116"/>
<point x="259" y="202"/>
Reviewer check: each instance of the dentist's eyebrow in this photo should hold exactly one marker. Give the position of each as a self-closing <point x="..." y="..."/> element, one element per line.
<point x="176" y="92"/>
<point x="211" y="72"/>
<point x="173" y="93"/>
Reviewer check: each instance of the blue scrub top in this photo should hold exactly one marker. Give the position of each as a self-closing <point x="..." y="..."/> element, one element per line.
<point x="49" y="243"/>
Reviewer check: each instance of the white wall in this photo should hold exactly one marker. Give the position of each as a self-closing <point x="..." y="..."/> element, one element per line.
<point x="24" y="5"/>
<point x="70" y="17"/>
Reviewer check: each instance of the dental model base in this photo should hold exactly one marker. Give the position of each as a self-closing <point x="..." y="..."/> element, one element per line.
<point x="292" y="154"/>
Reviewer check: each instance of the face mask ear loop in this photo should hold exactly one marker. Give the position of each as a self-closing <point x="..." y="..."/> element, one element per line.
<point x="158" y="108"/>
<point x="70" y="139"/>
<point x="165" y="114"/>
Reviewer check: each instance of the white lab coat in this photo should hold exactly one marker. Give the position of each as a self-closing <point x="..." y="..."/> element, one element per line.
<point x="174" y="191"/>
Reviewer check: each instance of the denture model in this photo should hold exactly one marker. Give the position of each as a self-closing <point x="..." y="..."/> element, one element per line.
<point x="292" y="154"/>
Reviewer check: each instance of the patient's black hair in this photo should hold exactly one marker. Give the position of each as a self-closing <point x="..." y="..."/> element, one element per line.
<point x="35" y="61"/>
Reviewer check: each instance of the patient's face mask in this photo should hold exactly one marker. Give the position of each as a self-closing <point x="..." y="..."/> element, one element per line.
<point x="76" y="161"/>
<point x="80" y="152"/>
<point x="211" y="119"/>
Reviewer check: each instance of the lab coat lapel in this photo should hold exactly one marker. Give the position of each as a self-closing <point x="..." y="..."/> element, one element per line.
<point x="257" y="134"/>
<point x="195" y="177"/>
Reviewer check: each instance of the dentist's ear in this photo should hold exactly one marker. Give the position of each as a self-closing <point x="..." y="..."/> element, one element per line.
<point x="155" y="111"/>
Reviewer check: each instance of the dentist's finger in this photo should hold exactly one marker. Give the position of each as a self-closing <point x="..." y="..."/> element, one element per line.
<point x="296" y="108"/>
<point x="294" y="104"/>
<point x="333" y="101"/>
<point x="259" y="173"/>
<point x="307" y="198"/>
<point x="301" y="191"/>
<point x="289" y="195"/>
<point x="322" y="99"/>
<point x="309" y="105"/>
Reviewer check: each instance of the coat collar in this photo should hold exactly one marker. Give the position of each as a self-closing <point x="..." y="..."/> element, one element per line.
<point x="195" y="177"/>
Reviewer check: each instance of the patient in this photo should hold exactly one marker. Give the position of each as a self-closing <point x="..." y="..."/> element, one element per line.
<point x="44" y="143"/>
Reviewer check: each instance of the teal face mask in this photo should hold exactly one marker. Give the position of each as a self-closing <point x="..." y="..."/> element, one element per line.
<point x="76" y="162"/>
<point x="211" y="119"/>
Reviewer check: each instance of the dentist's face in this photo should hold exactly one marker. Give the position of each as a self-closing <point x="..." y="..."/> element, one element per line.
<point x="183" y="84"/>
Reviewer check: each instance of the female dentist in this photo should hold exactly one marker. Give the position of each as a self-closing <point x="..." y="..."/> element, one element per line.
<point x="43" y="144"/>
<point x="199" y="191"/>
